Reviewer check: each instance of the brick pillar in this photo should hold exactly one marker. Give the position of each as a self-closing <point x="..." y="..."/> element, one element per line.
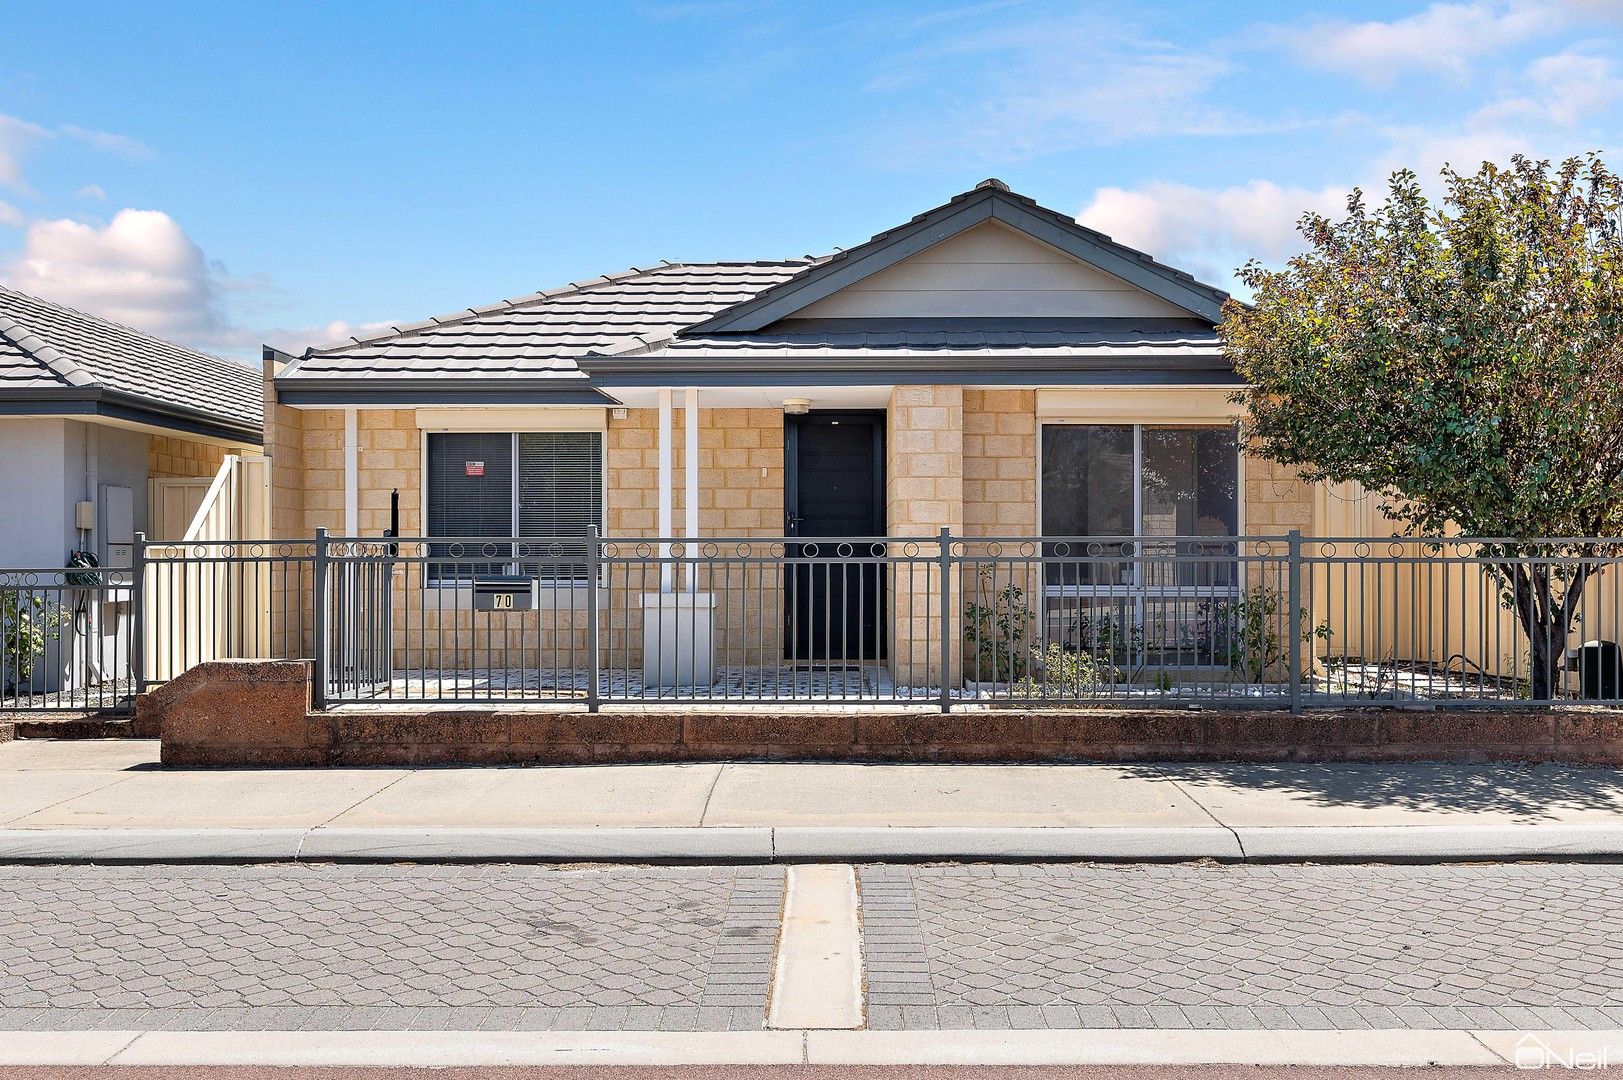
<point x="924" y="467"/>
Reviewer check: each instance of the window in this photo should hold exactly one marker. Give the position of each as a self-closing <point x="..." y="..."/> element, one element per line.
<point x="545" y="485"/>
<point x="1138" y="598"/>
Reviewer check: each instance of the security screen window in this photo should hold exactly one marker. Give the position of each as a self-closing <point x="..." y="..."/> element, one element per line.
<point x="1138" y="481"/>
<point x="545" y="485"/>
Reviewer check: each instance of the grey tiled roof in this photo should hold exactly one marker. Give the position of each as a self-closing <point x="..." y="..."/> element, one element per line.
<point x="538" y="336"/>
<point x="46" y="346"/>
<point x="1096" y="337"/>
<point x="668" y="312"/>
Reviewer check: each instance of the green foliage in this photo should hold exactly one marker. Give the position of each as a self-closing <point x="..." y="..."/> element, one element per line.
<point x="1251" y="635"/>
<point x="1110" y="635"/>
<point x="1063" y="673"/>
<point x="1462" y="360"/>
<point x="28" y="622"/>
<point x="996" y="631"/>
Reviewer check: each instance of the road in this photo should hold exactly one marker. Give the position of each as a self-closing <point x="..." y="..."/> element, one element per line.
<point x="348" y="964"/>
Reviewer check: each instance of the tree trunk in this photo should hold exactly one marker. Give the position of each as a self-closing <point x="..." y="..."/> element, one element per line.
<point x="1544" y="617"/>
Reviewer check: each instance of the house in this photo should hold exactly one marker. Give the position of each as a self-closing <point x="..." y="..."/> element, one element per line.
<point x="92" y="412"/>
<point x="105" y="432"/>
<point x="990" y="367"/>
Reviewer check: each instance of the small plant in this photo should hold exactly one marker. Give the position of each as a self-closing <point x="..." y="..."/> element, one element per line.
<point x="27" y="624"/>
<point x="1108" y="635"/>
<point x="1249" y="634"/>
<point x="1065" y="674"/>
<point x="1163" y="682"/>
<point x="996" y="631"/>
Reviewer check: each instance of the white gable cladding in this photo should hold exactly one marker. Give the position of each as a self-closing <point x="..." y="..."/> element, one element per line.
<point x="990" y="271"/>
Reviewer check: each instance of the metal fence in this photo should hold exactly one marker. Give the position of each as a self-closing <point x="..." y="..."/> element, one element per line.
<point x="65" y="640"/>
<point x="943" y="621"/>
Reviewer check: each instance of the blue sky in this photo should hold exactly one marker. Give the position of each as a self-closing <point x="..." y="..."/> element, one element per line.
<point x="227" y="174"/>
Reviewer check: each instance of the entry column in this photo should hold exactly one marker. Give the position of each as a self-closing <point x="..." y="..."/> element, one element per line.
<point x="925" y="480"/>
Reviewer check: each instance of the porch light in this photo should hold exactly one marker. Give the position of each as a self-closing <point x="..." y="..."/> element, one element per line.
<point x="797" y="406"/>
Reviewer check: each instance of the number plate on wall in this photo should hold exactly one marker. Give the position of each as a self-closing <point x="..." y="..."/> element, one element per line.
<point x="504" y="594"/>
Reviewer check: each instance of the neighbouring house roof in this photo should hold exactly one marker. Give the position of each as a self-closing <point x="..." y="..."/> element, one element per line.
<point x="715" y="323"/>
<point x="56" y="360"/>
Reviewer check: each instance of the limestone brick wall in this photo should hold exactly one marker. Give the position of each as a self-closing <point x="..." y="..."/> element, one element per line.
<point x="1275" y="500"/>
<point x="741" y="492"/>
<point x="1000" y="499"/>
<point x="1000" y="462"/>
<point x="168" y="456"/>
<point x="924" y="452"/>
<point x="284" y="446"/>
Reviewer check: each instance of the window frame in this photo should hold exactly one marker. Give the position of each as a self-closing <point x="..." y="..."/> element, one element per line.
<point x="1136" y="593"/>
<point x="553" y="593"/>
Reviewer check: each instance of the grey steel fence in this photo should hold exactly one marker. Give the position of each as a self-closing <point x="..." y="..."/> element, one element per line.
<point x="65" y="640"/>
<point x="1261" y="621"/>
<point x="943" y="621"/>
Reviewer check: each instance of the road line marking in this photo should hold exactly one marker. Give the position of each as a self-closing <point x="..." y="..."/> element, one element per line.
<point x="817" y="972"/>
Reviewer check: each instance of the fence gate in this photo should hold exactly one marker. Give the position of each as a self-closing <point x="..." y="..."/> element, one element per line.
<point x="362" y="636"/>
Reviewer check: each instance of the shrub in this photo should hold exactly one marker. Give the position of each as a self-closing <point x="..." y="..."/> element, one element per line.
<point x="1251" y="636"/>
<point x="27" y="624"/>
<point x="996" y="631"/>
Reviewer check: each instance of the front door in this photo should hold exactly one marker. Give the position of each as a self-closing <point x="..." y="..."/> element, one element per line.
<point x="835" y="488"/>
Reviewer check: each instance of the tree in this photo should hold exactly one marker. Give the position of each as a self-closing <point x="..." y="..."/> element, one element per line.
<point x="1462" y="360"/>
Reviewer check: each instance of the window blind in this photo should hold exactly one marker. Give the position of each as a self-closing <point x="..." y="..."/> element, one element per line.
<point x="560" y="495"/>
<point x="469" y="506"/>
<point x="546" y="485"/>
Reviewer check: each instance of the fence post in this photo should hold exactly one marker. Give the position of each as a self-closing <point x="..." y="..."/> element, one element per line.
<point x="1293" y="617"/>
<point x="946" y="619"/>
<point x="318" y="622"/>
<point x="594" y="666"/>
<point x="138" y="613"/>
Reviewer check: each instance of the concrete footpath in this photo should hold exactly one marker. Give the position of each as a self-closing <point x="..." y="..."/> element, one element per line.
<point x="110" y="800"/>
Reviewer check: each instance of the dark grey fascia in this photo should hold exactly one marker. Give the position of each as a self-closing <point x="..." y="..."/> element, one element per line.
<point x="611" y="372"/>
<point x="381" y="391"/>
<point x="946" y="221"/>
<point x="119" y="405"/>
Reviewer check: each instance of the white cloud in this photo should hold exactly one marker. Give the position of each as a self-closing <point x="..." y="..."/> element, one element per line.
<point x="15" y="137"/>
<point x="92" y="191"/>
<point x="10" y="215"/>
<point x="1445" y="37"/>
<point x="1564" y="90"/>
<point x="1020" y="90"/>
<point x="107" y="141"/>
<point x="296" y="341"/>
<point x="1208" y="232"/>
<point x="141" y="269"/>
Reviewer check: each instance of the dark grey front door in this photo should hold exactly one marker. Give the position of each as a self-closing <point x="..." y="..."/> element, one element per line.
<point x="835" y="489"/>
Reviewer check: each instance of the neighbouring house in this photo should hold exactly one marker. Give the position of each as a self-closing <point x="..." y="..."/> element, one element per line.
<point x="107" y="432"/>
<point x="990" y="367"/>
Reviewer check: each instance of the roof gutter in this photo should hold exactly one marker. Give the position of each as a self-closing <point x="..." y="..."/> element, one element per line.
<point x="121" y="405"/>
<point x="384" y="392"/>
<point x="629" y="371"/>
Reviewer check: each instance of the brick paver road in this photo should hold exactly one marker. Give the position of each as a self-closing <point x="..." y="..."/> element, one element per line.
<point x="463" y="948"/>
<point x="682" y="948"/>
<point x="1500" y="946"/>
